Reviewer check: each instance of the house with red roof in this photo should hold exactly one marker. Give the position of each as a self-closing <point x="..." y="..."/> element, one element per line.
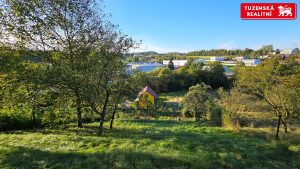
<point x="146" y="98"/>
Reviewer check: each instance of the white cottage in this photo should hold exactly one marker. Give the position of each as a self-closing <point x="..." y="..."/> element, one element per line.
<point x="177" y="63"/>
<point x="251" y="62"/>
<point x="199" y="61"/>
<point x="217" y="59"/>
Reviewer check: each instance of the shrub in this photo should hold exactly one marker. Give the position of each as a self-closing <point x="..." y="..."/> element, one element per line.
<point x="12" y="121"/>
<point x="230" y="119"/>
<point x="213" y="115"/>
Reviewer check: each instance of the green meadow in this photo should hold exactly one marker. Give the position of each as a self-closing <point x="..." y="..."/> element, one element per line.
<point x="149" y="144"/>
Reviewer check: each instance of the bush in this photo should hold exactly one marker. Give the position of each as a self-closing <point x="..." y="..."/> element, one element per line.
<point x="165" y="80"/>
<point x="16" y="119"/>
<point x="186" y="113"/>
<point x="9" y="121"/>
<point x="214" y="116"/>
<point x="230" y="119"/>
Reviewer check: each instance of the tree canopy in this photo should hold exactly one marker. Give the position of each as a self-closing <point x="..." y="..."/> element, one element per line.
<point x="275" y="81"/>
<point x="196" y="100"/>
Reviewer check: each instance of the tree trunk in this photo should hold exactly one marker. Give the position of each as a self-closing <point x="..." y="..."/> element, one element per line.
<point x="33" y="117"/>
<point x="284" y="125"/>
<point x="78" y="108"/>
<point x="278" y="125"/>
<point x="79" y="118"/>
<point x="113" y="116"/>
<point x="102" y="115"/>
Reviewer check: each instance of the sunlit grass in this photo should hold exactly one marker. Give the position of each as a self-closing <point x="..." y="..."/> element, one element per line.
<point x="172" y="96"/>
<point x="147" y="144"/>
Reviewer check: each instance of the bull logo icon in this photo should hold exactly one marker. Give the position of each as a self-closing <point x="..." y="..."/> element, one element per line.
<point x="285" y="11"/>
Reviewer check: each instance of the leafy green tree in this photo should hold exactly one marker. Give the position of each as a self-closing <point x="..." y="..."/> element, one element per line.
<point x="195" y="101"/>
<point x="25" y="86"/>
<point x="105" y="74"/>
<point x="197" y="72"/>
<point x="247" y="52"/>
<point x="70" y="33"/>
<point x="171" y="65"/>
<point x="215" y="76"/>
<point x="275" y="81"/>
<point x="124" y="92"/>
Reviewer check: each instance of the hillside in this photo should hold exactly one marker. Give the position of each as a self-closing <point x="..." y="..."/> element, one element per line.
<point x="148" y="144"/>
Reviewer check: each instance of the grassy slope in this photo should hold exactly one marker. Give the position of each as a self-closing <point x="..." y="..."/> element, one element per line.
<point x="172" y="96"/>
<point x="146" y="144"/>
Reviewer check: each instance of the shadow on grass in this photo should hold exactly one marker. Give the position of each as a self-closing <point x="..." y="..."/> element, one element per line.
<point x="205" y="147"/>
<point x="226" y="148"/>
<point x="21" y="157"/>
<point x="161" y="123"/>
<point x="93" y="130"/>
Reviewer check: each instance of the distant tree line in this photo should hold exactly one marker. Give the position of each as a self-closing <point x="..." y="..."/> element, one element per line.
<point x="166" y="80"/>
<point x="264" y="50"/>
<point x="247" y="53"/>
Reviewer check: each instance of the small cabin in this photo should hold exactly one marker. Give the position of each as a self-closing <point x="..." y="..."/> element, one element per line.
<point x="146" y="98"/>
<point x="177" y="63"/>
<point x="251" y="62"/>
<point x="218" y="59"/>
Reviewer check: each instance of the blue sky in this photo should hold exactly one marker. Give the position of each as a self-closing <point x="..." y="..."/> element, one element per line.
<point x="186" y="25"/>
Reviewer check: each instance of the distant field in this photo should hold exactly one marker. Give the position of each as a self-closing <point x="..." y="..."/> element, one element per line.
<point x="207" y="57"/>
<point x="200" y="57"/>
<point x="149" y="144"/>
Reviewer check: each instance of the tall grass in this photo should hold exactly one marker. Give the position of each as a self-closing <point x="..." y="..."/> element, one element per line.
<point x="145" y="144"/>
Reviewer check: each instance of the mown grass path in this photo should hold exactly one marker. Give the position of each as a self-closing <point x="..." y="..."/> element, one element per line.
<point x="145" y="144"/>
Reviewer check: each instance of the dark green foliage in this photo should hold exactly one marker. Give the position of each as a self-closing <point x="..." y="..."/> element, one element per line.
<point x="275" y="81"/>
<point x="171" y="65"/>
<point x="9" y="121"/>
<point x="214" y="113"/>
<point x="196" y="102"/>
<point x="264" y="50"/>
<point x="78" y="61"/>
<point x="164" y="80"/>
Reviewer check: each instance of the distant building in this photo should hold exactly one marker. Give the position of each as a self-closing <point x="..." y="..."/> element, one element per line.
<point x="199" y="61"/>
<point x="287" y="53"/>
<point x="146" y="98"/>
<point x="264" y="57"/>
<point x="227" y="72"/>
<point x="217" y="59"/>
<point x="177" y="63"/>
<point x="142" y="66"/>
<point x="239" y="59"/>
<point x="251" y="62"/>
<point x="229" y="63"/>
<point x="206" y="68"/>
<point x="127" y="104"/>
